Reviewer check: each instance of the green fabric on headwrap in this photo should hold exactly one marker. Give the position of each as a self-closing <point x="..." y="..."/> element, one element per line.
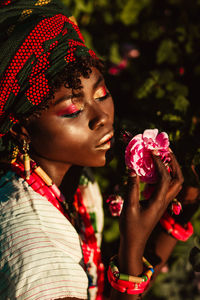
<point x="37" y="39"/>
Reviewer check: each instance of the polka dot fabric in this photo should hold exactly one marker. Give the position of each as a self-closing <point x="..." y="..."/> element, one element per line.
<point x="5" y="2"/>
<point x="51" y="42"/>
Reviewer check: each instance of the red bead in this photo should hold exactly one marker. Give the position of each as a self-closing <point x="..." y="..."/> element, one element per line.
<point x="176" y="230"/>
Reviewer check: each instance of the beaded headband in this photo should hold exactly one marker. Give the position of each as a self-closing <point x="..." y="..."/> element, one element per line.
<point x="38" y="38"/>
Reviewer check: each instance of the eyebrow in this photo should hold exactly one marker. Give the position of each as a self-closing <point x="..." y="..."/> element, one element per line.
<point x="64" y="98"/>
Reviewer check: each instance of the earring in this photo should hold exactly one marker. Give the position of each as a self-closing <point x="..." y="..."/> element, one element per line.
<point x="26" y="159"/>
<point x="14" y="154"/>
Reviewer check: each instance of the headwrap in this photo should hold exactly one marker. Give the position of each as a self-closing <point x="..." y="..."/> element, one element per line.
<point x="37" y="39"/>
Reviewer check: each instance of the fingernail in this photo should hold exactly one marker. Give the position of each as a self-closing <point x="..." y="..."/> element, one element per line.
<point x="132" y="174"/>
<point x="170" y="150"/>
<point x="155" y="152"/>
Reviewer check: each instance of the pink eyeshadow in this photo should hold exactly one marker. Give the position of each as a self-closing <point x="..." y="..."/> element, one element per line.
<point x="68" y="110"/>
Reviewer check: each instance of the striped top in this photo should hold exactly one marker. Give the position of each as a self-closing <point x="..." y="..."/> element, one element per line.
<point x="40" y="252"/>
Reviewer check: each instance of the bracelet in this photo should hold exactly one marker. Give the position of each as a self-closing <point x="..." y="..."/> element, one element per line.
<point x="126" y="283"/>
<point x="181" y="233"/>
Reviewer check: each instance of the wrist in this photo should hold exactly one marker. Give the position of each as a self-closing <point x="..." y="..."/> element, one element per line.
<point x="132" y="248"/>
<point x="129" y="284"/>
<point x="130" y="262"/>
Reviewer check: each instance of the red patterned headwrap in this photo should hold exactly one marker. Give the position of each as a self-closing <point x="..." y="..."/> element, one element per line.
<point x="38" y="38"/>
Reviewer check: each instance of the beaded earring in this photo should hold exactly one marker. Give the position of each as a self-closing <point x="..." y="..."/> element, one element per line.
<point x="26" y="159"/>
<point x="176" y="207"/>
<point x="14" y="154"/>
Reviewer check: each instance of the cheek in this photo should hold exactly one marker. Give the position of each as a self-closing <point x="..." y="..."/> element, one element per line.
<point x="111" y="109"/>
<point x="43" y="134"/>
<point x="54" y="138"/>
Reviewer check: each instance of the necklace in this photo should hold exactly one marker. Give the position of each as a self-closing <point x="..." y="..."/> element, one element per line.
<point x="42" y="184"/>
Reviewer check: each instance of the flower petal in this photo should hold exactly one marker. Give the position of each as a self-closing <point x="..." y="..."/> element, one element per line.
<point x="150" y="133"/>
<point x="163" y="140"/>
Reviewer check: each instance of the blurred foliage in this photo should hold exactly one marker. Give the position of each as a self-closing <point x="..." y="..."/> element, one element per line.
<point x="160" y="88"/>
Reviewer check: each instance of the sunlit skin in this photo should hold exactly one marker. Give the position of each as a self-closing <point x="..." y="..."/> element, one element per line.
<point x="74" y="130"/>
<point x="78" y="131"/>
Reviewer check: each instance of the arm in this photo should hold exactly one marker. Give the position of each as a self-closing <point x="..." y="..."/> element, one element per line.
<point x="159" y="248"/>
<point x="137" y="223"/>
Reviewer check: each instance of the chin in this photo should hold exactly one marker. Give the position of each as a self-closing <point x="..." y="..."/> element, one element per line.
<point x="107" y="159"/>
<point x="99" y="163"/>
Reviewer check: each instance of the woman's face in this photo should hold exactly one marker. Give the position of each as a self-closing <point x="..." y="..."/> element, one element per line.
<point x="76" y="130"/>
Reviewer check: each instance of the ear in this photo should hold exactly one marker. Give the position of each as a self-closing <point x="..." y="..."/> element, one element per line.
<point x="20" y="133"/>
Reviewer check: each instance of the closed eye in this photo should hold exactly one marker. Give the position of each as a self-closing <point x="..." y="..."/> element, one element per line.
<point x="70" y="111"/>
<point x="73" y="115"/>
<point x="104" y="97"/>
<point x="101" y="94"/>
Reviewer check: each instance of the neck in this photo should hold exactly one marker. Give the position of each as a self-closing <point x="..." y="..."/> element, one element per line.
<point x="55" y="170"/>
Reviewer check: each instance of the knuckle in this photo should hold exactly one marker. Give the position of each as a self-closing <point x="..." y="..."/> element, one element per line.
<point x="180" y="180"/>
<point x="166" y="178"/>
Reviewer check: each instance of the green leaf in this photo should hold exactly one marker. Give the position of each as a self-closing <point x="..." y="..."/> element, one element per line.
<point x="112" y="230"/>
<point x="146" y="88"/>
<point x="167" y="52"/>
<point x="114" y="53"/>
<point x="181" y="103"/>
<point x="177" y="88"/>
<point x="108" y="17"/>
<point x="131" y="11"/>
<point x="172" y="118"/>
<point x="181" y="33"/>
<point x="160" y="93"/>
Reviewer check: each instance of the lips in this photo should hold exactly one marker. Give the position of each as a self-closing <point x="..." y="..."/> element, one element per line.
<point x="105" y="140"/>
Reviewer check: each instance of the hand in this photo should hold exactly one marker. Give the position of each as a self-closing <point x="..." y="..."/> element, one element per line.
<point x="136" y="222"/>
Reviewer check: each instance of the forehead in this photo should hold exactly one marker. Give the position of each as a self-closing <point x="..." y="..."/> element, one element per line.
<point x="87" y="84"/>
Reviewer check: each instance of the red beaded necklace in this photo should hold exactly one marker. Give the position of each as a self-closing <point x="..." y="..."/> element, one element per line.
<point x="42" y="184"/>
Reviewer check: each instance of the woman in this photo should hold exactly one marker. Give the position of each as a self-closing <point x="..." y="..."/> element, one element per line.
<point x="56" y="116"/>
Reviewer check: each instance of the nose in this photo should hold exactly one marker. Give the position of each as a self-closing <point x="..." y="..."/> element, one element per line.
<point x="99" y="117"/>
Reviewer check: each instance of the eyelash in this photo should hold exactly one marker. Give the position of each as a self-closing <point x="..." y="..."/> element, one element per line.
<point x="75" y="114"/>
<point x="103" y="97"/>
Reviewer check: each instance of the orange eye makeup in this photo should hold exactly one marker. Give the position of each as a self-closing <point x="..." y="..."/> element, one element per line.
<point x="101" y="92"/>
<point x="75" y="105"/>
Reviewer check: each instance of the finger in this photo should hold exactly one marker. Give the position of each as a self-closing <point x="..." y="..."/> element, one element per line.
<point x="177" y="178"/>
<point x="163" y="177"/>
<point x="175" y="168"/>
<point x="158" y="203"/>
<point x="133" y="189"/>
<point x="173" y="191"/>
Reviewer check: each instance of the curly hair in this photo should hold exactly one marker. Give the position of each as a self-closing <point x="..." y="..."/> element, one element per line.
<point x="70" y="78"/>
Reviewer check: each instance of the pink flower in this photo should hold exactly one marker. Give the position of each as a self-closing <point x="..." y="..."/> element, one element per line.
<point x="176" y="207"/>
<point x="115" y="203"/>
<point x="181" y="71"/>
<point x="138" y="156"/>
<point x="114" y="70"/>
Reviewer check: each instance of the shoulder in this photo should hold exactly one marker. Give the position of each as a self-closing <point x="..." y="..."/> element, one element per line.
<point x="40" y="251"/>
